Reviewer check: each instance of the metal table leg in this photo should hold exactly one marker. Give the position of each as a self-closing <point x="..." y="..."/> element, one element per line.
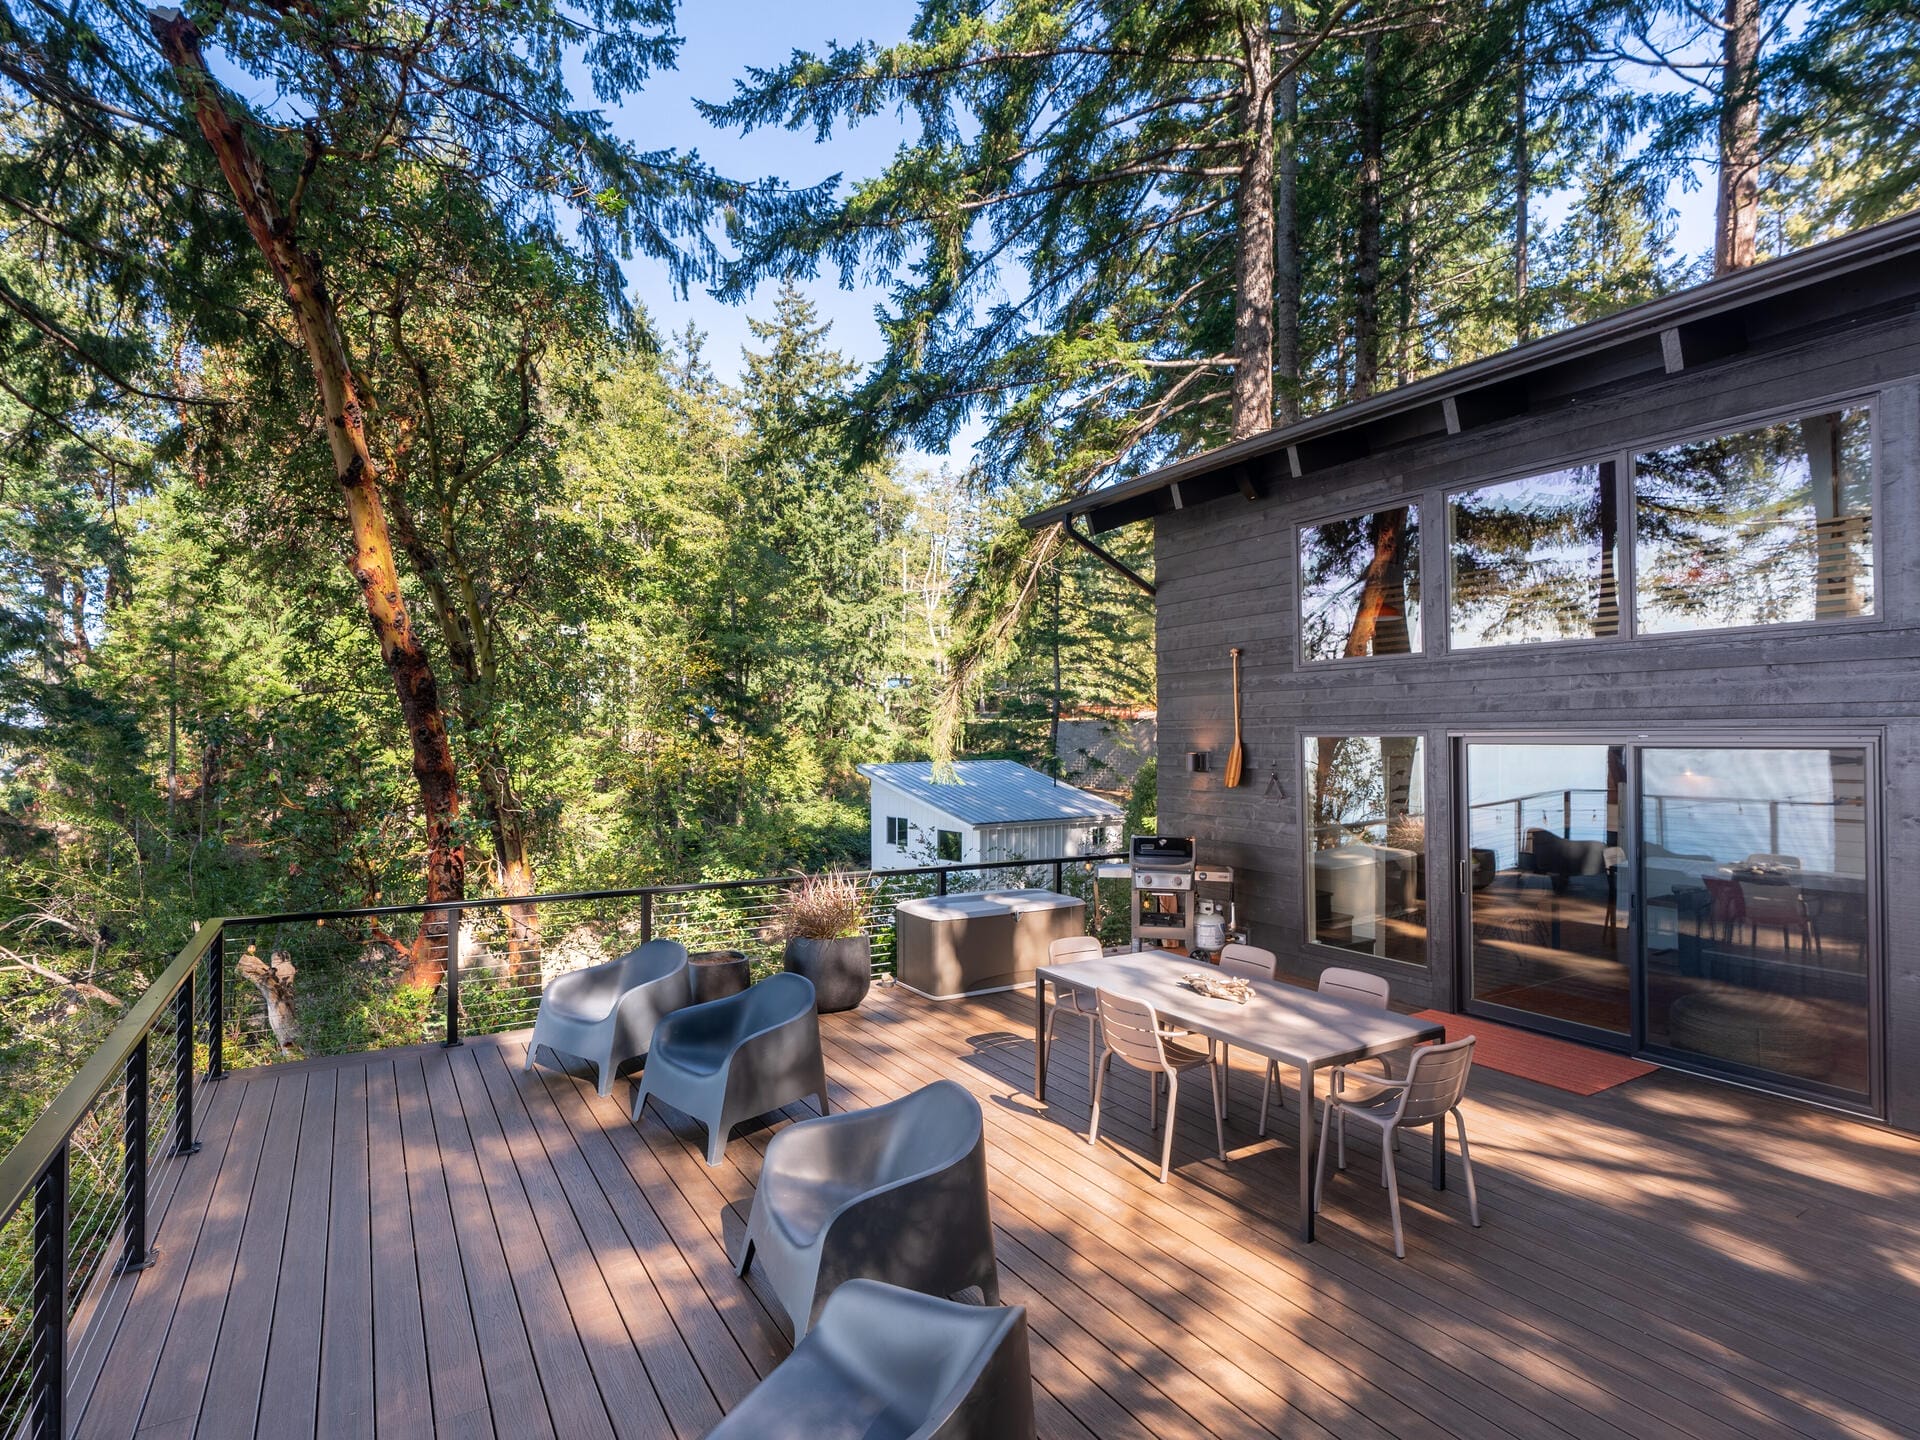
<point x="1040" y="1037"/>
<point x="1306" y="1153"/>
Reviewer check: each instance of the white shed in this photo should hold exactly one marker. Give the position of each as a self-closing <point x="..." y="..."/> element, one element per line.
<point x="988" y="810"/>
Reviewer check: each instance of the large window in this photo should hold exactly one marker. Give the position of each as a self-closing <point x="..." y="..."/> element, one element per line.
<point x="1360" y="586"/>
<point x="1535" y="559"/>
<point x="1367" y="845"/>
<point x="1764" y="527"/>
<point x="947" y="844"/>
<point x="1757" y="934"/>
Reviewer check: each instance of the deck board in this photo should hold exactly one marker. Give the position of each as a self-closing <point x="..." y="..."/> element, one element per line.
<point x="433" y="1242"/>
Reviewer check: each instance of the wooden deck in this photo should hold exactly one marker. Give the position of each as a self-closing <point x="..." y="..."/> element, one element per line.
<point x="428" y="1242"/>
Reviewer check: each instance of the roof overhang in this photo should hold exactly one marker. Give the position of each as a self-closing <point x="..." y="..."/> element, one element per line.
<point x="1707" y="324"/>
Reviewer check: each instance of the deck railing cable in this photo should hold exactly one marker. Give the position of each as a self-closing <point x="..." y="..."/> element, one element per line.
<point x="80" y="1202"/>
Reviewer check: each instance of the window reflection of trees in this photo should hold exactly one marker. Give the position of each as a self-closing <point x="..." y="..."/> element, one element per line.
<point x="1536" y="559"/>
<point x="1360" y="585"/>
<point x="1768" y="526"/>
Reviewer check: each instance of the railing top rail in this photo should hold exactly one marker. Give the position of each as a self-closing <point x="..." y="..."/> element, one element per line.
<point x="21" y="1166"/>
<point x="367" y="912"/>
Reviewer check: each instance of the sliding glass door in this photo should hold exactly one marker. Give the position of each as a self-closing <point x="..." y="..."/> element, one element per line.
<point x="1757" y="935"/>
<point x="1546" y="917"/>
<point x="1710" y="904"/>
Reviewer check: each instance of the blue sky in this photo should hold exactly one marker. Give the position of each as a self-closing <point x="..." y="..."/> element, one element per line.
<point x="722" y="39"/>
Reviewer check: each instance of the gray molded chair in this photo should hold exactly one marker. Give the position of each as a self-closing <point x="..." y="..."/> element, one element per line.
<point x="734" y="1058"/>
<point x="892" y="1364"/>
<point x="897" y="1193"/>
<point x="1436" y="1082"/>
<point x="1133" y="1032"/>
<point x="1082" y="1003"/>
<point x="1255" y="964"/>
<point x="607" y="1013"/>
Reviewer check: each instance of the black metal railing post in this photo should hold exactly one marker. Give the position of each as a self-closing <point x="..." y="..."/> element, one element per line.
<point x="646" y="916"/>
<point x="940" y="883"/>
<point x="1059" y="878"/>
<point x="183" y="1141"/>
<point x="453" y="977"/>
<point x="133" y="1161"/>
<point x="48" y="1365"/>
<point x="217" y="1006"/>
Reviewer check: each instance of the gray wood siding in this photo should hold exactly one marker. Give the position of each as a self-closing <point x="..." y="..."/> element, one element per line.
<point x="1226" y="575"/>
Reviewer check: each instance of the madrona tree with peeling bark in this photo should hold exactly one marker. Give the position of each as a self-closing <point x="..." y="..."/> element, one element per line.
<point x="134" y="153"/>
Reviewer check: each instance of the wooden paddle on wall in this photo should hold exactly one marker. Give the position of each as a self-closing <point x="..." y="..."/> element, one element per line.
<point x="1236" y="757"/>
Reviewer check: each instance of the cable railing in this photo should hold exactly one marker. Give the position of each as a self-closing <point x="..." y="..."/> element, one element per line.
<point x="83" y="1192"/>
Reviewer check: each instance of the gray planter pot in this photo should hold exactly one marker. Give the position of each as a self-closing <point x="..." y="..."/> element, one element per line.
<point x="717" y="974"/>
<point x="841" y="970"/>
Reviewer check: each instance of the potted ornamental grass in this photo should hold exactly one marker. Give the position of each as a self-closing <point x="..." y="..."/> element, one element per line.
<point x="825" y="919"/>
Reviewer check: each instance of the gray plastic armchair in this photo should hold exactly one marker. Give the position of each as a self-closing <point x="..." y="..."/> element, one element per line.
<point x="732" y="1059"/>
<point x="897" y="1193"/>
<point x="607" y="1013"/>
<point x="895" y="1363"/>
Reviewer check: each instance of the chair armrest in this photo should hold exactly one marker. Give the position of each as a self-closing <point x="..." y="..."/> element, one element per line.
<point x="1339" y="1075"/>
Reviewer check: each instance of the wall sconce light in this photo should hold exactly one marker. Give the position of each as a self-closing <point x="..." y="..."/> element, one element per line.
<point x="1197" y="761"/>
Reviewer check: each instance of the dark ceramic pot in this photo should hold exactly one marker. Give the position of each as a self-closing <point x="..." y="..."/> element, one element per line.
<point x="841" y="970"/>
<point x="716" y="974"/>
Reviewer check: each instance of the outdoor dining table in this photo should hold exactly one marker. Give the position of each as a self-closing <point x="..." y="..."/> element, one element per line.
<point x="1302" y="1029"/>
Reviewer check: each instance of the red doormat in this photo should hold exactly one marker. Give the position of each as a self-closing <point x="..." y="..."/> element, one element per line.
<point x="1563" y="1064"/>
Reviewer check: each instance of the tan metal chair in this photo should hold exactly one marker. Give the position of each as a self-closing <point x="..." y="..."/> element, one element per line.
<point x="1253" y="963"/>
<point x="1132" y="1031"/>
<point x="1082" y="1003"/>
<point x="1436" y="1082"/>
<point x="1357" y="985"/>
<point x="1365" y="988"/>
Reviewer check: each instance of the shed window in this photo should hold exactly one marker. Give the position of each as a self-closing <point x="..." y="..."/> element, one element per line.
<point x="1535" y="559"/>
<point x="897" y="831"/>
<point x="1764" y="527"/>
<point x="948" y="844"/>
<point x="1360" y="586"/>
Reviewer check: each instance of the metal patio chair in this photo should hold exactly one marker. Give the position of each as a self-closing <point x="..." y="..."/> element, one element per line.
<point x="1253" y="963"/>
<point x="606" y="1014"/>
<point x="897" y="1192"/>
<point x="1133" y="1031"/>
<point x="1435" y="1083"/>
<point x="1080" y="1003"/>
<point x="732" y="1059"/>
<point x="887" y="1362"/>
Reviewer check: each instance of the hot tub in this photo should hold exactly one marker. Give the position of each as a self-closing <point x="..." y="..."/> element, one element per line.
<point x="948" y="945"/>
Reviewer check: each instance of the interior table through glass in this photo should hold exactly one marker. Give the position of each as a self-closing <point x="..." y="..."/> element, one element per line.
<point x="1302" y="1029"/>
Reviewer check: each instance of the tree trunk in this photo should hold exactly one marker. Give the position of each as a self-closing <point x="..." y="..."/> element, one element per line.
<point x="1254" y="239"/>
<point x="1286" y="225"/>
<point x="463" y="628"/>
<point x="373" y="566"/>
<point x="1367" y="241"/>
<point x="1737" y="217"/>
<point x="1380" y="619"/>
<point x="1522" y="187"/>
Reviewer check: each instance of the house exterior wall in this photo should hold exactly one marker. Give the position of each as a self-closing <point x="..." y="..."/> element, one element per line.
<point x="1047" y="840"/>
<point x="1227" y="575"/>
<point x="924" y="821"/>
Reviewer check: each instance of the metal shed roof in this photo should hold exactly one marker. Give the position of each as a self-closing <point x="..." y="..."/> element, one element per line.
<point x="993" y="792"/>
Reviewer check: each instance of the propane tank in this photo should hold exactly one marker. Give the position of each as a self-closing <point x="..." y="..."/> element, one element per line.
<point x="1209" y="928"/>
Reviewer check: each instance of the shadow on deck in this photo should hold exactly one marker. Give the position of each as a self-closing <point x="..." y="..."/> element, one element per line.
<point x="429" y="1242"/>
